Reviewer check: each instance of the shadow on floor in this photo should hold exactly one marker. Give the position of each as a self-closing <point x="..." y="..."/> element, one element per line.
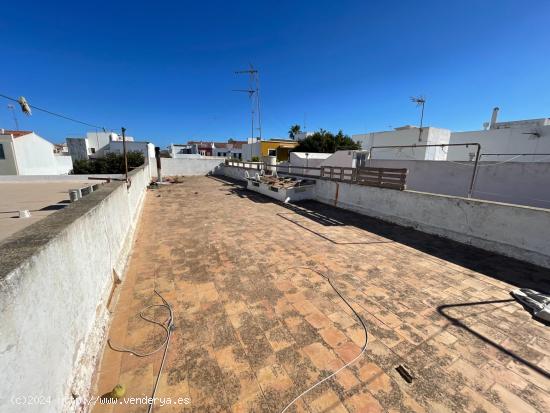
<point x="442" y="309"/>
<point x="512" y="271"/>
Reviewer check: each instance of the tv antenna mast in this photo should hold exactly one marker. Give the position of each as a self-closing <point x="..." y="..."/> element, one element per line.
<point x="420" y="101"/>
<point x="10" y="107"/>
<point x="254" y="95"/>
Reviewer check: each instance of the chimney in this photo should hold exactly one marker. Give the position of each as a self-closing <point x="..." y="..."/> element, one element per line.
<point x="494" y="118"/>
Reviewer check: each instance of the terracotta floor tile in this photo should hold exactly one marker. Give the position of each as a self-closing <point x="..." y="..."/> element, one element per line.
<point x="252" y="329"/>
<point x="328" y="401"/>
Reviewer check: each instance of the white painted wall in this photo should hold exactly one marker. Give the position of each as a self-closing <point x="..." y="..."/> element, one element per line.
<point x="519" y="139"/>
<point x="189" y="167"/>
<point x="64" y="164"/>
<point x="34" y="155"/>
<point x="403" y="137"/>
<point x="8" y="165"/>
<point x="53" y="303"/>
<point x="516" y="231"/>
<point x="28" y="155"/>
<point x="523" y="183"/>
<point x="250" y="150"/>
<point x="313" y="159"/>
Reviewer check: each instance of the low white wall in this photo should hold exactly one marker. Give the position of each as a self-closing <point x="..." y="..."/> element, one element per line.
<point x="55" y="281"/>
<point x="516" y="231"/>
<point x="64" y="164"/>
<point x="188" y="167"/>
<point x="523" y="183"/>
<point x="236" y="172"/>
<point x="55" y="178"/>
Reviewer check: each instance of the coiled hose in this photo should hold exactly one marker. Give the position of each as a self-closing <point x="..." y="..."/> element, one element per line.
<point x="168" y="326"/>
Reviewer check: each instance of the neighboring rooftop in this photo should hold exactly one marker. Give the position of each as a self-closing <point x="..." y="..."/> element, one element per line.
<point x="15" y="133"/>
<point x="41" y="198"/>
<point x="256" y="323"/>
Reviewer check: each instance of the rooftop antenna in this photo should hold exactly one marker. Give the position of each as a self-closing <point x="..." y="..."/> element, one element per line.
<point x="420" y="101"/>
<point x="254" y="95"/>
<point x="250" y="94"/>
<point x="12" y="108"/>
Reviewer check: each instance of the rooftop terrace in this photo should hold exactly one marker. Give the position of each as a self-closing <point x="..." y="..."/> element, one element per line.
<point x="256" y="323"/>
<point x="40" y="198"/>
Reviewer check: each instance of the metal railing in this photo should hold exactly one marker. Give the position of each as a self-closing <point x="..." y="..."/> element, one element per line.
<point x="391" y="178"/>
<point x="476" y="161"/>
<point x="245" y="165"/>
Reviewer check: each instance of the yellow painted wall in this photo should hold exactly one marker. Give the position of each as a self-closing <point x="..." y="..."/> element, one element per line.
<point x="282" y="148"/>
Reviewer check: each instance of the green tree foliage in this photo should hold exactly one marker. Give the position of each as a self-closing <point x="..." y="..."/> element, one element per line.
<point x="294" y="130"/>
<point x="326" y="142"/>
<point x="109" y="164"/>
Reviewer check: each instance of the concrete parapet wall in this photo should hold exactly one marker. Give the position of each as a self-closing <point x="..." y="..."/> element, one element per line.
<point x="188" y="166"/>
<point x="512" y="230"/>
<point x="56" y="278"/>
<point x="236" y="172"/>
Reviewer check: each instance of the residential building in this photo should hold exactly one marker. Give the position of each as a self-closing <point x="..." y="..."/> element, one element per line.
<point x="26" y="153"/>
<point x="183" y="150"/>
<point x="404" y="136"/>
<point x="204" y="148"/>
<point x="504" y="139"/>
<point x="146" y="148"/>
<point x="233" y="149"/>
<point x="279" y="148"/>
<point x="93" y="145"/>
<point x="531" y="136"/>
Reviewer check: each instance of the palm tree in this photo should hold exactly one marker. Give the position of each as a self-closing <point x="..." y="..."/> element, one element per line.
<point x="294" y="130"/>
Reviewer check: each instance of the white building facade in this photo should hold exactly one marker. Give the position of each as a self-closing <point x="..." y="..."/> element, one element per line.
<point x="26" y="153"/>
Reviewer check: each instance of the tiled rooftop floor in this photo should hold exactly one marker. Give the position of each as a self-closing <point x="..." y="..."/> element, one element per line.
<point x="254" y="329"/>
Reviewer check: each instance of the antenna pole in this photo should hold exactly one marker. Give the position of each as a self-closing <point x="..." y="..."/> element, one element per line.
<point x="125" y="154"/>
<point x="258" y="103"/>
<point x="420" y="101"/>
<point x="10" y="107"/>
<point x="254" y="89"/>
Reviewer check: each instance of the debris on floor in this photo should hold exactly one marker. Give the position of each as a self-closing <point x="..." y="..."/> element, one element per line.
<point x="536" y="301"/>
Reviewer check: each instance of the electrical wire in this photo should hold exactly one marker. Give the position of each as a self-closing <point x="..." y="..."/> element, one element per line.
<point x="363" y="349"/>
<point x="168" y="328"/>
<point x="55" y="114"/>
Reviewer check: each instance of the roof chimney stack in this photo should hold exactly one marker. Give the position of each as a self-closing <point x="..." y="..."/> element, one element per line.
<point x="494" y="118"/>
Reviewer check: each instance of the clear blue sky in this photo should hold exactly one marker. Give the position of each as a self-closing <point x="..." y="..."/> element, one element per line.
<point x="165" y="72"/>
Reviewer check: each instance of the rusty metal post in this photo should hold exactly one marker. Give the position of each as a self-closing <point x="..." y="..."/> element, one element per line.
<point x="474" y="173"/>
<point x="124" y="150"/>
<point x="157" y="157"/>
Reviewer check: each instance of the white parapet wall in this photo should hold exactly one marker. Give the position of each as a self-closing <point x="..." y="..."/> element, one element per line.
<point x="188" y="166"/>
<point x="515" y="231"/>
<point x="240" y="174"/>
<point x="512" y="230"/>
<point x="56" y="279"/>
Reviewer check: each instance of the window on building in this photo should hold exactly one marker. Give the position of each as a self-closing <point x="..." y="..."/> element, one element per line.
<point x="92" y="150"/>
<point x="2" y="154"/>
<point x="272" y="152"/>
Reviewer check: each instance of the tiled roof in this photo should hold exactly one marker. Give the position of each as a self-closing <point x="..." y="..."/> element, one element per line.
<point x="16" y="133"/>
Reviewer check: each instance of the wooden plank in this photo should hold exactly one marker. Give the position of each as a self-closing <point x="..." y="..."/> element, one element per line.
<point x="401" y="170"/>
<point x="378" y="178"/>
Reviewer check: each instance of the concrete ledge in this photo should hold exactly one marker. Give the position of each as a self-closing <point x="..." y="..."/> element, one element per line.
<point x="55" y="281"/>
